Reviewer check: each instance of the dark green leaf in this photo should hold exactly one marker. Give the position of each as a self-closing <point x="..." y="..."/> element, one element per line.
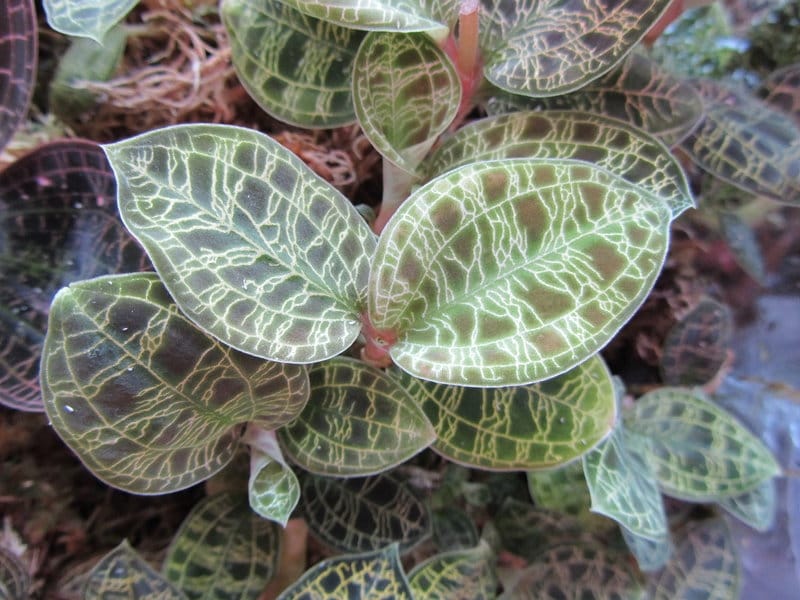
<point x="756" y="508"/>
<point x="453" y="529"/>
<point x="563" y="488"/>
<point x="18" y="54"/>
<point x="466" y="574"/>
<point x="527" y="530"/>
<point x="86" y="18"/>
<point x="273" y="488"/>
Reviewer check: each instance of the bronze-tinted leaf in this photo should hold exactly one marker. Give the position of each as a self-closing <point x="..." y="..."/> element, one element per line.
<point x="18" y="54"/>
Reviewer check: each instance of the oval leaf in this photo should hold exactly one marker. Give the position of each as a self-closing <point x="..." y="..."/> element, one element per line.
<point x="273" y="488"/>
<point x="562" y="488"/>
<point x="254" y="247"/>
<point x="511" y="272"/>
<point x="697" y="451"/>
<point x="297" y="68"/>
<point x="147" y="401"/>
<point x="86" y="18"/>
<point x="124" y="575"/>
<point x="519" y="428"/>
<point x="377" y="575"/>
<point x="364" y="513"/>
<point x="756" y="508"/>
<point x="621" y="149"/>
<point x="223" y="550"/>
<point x="15" y="581"/>
<point x="18" y="55"/>
<point x="406" y="92"/>
<point x="554" y="47"/>
<point x="457" y="575"/>
<point x="359" y="422"/>
<point x="58" y="224"/>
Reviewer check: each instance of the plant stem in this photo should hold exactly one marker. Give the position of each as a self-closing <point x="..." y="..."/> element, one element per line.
<point x="397" y="185"/>
<point x="468" y="37"/>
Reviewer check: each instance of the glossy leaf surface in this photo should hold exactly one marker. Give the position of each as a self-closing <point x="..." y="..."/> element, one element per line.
<point x="511" y="272"/>
<point x="58" y="224"/>
<point x="375" y="575"/>
<point x="297" y="68"/>
<point x="562" y="488"/>
<point x="519" y="428"/>
<point x="15" y="581"/>
<point x="744" y="141"/>
<point x="360" y="514"/>
<point x="406" y="92"/>
<point x="359" y="421"/>
<point x="18" y="55"/>
<point x="124" y="575"/>
<point x="698" y="451"/>
<point x="557" y="46"/>
<point x="86" y="18"/>
<point x="223" y="550"/>
<point x="456" y="575"/>
<point x="147" y="401"/>
<point x="273" y="488"/>
<point x="254" y="247"/>
<point x="704" y="565"/>
<point x="756" y="508"/>
<point x="651" y="554"/>
<point x="619" y="148"/>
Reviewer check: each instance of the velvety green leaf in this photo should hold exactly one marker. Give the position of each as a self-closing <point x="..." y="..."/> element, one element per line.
<point x="86" y="18"/>
<point x="563" y="488"/>
<point x="741" y="239"/>
<point x="520" y="428"/>
<point x="297" y="68"/>
<point x="510" y="272"/>
<point x="377" y="575"/>
<point x="58" y="224"/>
<point x="254" y="247"/>
<point x="783" y="90"/>
<point x="704" y="565"/>
<point x="619" y="148"/>
<point x="698" y="451"/>
<point x="651" y="554"/>
<point x="147" y="401"/>
<point x="124" y="575"/>
<point x="18" y="54"/>
<point x="406" y="93"/>
<point x="453" y="529"/>
<point x="696" y="347"/>
<point x="273" y="488"/>
<point x="15" y="581"/>
<point x="744" y="141"/>
<point x="577" y="571"/>
<point x="624" y="489"/>
<point x="360" y="514"/>
<point x="223" y="550"/>
<point x="558" y="46"/>
<point x="756" y="508"/>
<point x="359" y="422"/>
<point x="527" y="530"/>
<point x="466" y="574"/>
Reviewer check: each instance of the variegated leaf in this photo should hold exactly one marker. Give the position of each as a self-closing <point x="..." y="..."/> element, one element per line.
<point x="406" y="92"/>
<point x="744" y="141"/>
<point x="558" y="46"/>
<point x="756" y="508"/>
<point x="273" y="488"/>
<point x="619" y="148"/>
<point x="254" y="247"/>
<point x="703" y="565"/>
<point x="124" y="575"/>
<point x="697" y="451"/>
<point x="223" y="550"/>
<point x="510" y="272"/>
<point x="624" y="489"/>
<point x="18" y="55"/>
<point x="360" y="514"/>
<point x="562" y="488"/>
<point x="377" y="575"/>
<point x="527" y="530"/>
<point x="86" y="18"/>
<point x="453" y="529"/>
<point x="466" y="574"/>
<point x="15" y="581"/>
<point x="297" y="68"/>
<point x="783" y="90"/>
<point x="523" y="427"/>
<point x="149" y="402"/>
<point x="651" y="554"/>
<point x="359" y="422"/>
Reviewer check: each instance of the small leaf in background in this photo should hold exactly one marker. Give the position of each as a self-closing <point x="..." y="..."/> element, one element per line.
<point x="703" y="565"/>
<point x="297" y="68"/>
<point x="406" y="93"/>
<point x="359" y="514"/>
<point x="563" y="488"/>
<point x="86" y="18"/>
<point x="696" y="347"/>
<point x="273" y="488"/>
<point x="18" y="56"/>
<point x="550" y="48"/>
<point x="756" y="508"/>
<point x="523" y="427"/>
<point x="149" y="402"/>
<point x="453" y="529"/>
<point x="741" y="239"/>
<point x="223" y="550"/>
<point x="651" y="553"/>
<point x="58" y="224"/>
<point x="124" y="575"/>
<point x="15" y="581"/>
<point x="698" y="451"/>
<point x="623" y="487"/>
<point x="626" y="151"/>
<point x="527" y="530"/>
<point x="743" y="141"/>
<point x="466" y="574"/>
<point x="253" y="246"/>
<point x="474" y="303"/>
<point x="783" y="90"/>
